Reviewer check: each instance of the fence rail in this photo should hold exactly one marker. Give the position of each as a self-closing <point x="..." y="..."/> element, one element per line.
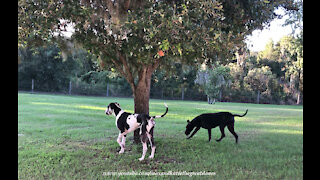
<point x="74" y="87"/>
<point x="112" y="90"/>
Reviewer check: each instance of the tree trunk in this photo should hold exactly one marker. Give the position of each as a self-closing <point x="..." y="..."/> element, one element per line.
<point x="258" y="97"/>
<point x="141" y="94"/>
<point x="298" y="98"/>
<point x="298" y="88"/>
<point x="141" y="98"/>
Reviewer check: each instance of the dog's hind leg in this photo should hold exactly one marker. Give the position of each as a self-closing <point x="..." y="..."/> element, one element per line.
<point x="222" y="133"/>
<point x="231" y="129"/>
<point x="153" y="146"/>
<point x="144" y="140"/>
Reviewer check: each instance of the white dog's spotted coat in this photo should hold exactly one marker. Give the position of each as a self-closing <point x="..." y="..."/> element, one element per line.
<point x="127" y="122"/>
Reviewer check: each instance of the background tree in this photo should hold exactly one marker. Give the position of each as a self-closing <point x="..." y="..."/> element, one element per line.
<point x="46" y="67"/>
<point x="258" y="79"/>
<point x="214" y="81"/>
<point x="292" y="54"/>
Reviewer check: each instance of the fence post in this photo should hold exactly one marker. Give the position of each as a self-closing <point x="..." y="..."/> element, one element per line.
<point x="161" y="93"/>
<point x="32" y="85"/>
<point x="70" y="86"/>
<point x="182" y="93"/>
<point x="107" y="89"/>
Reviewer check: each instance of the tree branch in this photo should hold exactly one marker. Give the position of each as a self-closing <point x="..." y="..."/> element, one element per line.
<point x="156" y="64"/>
<point x="127" y="4"/>
<point x="110" y="6"/>
<point x="128" y="73"/>
<point x="120" y="69"/>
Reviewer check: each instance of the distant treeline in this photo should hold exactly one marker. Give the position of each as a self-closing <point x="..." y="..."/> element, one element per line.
<point x="274" y="76"/>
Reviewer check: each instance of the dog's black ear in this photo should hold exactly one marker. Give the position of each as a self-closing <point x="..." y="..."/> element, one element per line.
<point x="188" y="121"/>
<point x="117" y="104"/>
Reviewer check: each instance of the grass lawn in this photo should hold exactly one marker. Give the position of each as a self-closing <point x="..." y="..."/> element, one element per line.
<point x="70" y="137"/>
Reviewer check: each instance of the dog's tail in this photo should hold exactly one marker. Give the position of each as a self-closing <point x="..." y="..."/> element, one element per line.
<point x="241" y="115"/>
<point x="154" y="117"/>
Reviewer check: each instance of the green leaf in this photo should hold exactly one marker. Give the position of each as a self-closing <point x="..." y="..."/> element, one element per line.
<point x="164" y="45"/>
<point x="216" y="36"/>
<point x="179" y="49"/>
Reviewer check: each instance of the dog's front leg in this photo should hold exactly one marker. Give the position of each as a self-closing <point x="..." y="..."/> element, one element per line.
<point x="120" y="141"/>
<point x="123" y="141"/>
<point x="196" y="130"/>
<point x="144" y="151"/>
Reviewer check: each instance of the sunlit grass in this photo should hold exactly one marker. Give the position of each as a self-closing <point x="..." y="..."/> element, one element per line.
<point x="70" y="137"/>
<point x="72" y="106"/>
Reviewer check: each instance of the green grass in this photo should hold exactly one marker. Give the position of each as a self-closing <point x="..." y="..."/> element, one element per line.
<point x="70" y="137"/>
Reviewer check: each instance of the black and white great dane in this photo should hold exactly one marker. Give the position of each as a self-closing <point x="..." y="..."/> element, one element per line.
<point x="128" y="122"/>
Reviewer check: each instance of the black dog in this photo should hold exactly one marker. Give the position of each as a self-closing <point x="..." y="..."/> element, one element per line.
<point x="212" y="120"/>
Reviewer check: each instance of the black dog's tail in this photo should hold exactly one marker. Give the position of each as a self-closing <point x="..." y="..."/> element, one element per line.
<point x="241" y="115"/>
<point x="154" y="117"/>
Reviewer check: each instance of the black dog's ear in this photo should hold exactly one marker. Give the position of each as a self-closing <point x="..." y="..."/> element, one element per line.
<point x="188" y="121"/>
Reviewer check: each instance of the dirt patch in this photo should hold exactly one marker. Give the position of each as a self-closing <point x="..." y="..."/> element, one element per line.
<point x="167" y="160"/>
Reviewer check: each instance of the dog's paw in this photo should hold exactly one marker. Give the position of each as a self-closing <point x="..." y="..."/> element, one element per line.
<point x="151" y="157"/>
<point x="141" y="159"/>
<point x="121" y="151"/>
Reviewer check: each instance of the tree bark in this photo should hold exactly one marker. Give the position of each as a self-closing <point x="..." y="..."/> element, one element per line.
<point x="298" y="98"/>
<point x="298" y="88"/>
<point x="141" y="94"/>
<point x="141" y="103"/>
